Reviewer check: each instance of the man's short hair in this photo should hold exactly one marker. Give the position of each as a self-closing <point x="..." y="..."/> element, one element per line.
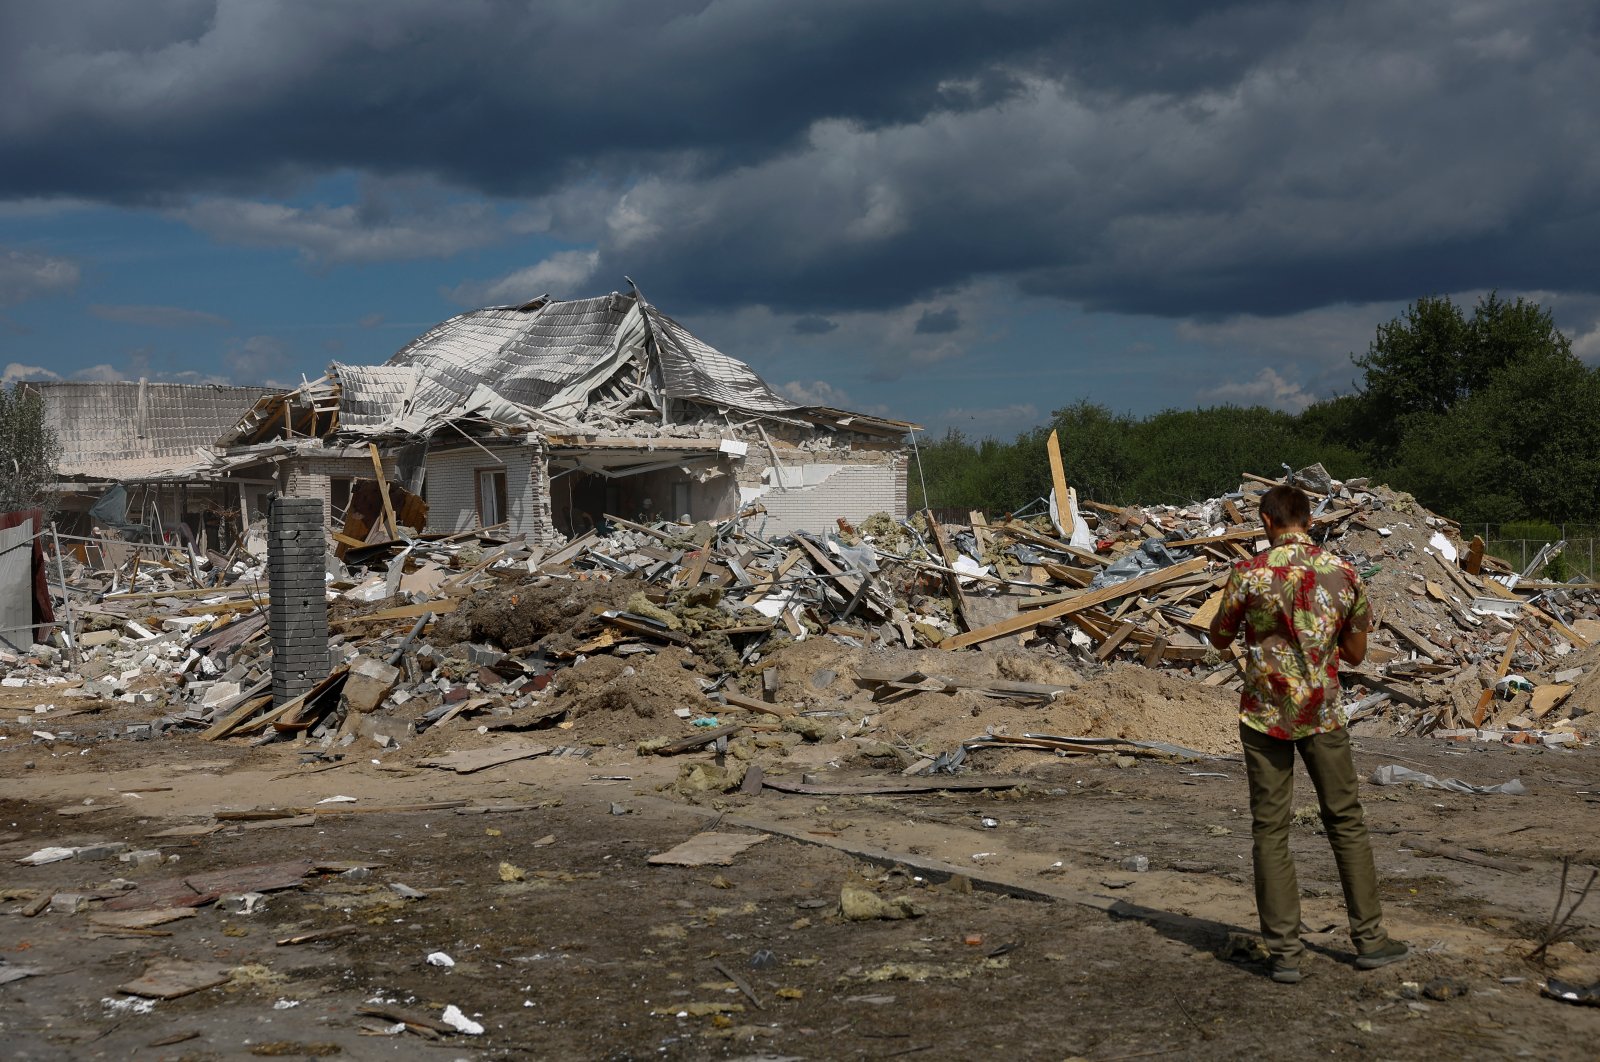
<point x="1287" y="506"/>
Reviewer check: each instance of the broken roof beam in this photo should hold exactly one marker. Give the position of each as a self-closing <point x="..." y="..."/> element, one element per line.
<point x="1089" y="599"/>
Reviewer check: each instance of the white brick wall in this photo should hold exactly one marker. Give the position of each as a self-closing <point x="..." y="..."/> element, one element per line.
<point x="854" y="492"/>
<point x="453" y="501"/>
<point x="310" y="477"/>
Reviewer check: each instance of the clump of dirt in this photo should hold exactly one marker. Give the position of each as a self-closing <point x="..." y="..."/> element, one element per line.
<point x="523" y="615"/>
<point x="1127" y="701"/>
<point x="616" y="699"/>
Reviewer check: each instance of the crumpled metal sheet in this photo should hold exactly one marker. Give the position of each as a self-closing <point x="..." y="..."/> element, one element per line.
<point x="547" y="356"/>
<point x="695" y="370"/>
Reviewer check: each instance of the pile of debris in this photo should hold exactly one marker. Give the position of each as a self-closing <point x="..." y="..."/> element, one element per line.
<point x="676" y="637"/>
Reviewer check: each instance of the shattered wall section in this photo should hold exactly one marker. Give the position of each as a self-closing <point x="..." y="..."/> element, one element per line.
<point x="852" y="492"/>
<point x="312" y="476"/>
<point x="825" y="476"/>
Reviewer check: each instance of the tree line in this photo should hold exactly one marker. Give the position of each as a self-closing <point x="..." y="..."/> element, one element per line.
<point x="1485" y="416"/>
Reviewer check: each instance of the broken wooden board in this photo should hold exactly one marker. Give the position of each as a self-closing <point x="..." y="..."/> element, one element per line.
<point x="172" y="978"/>
<point x="155" y="916"/>
<point x="1058" y="484"/>
<point x="889" y="786"/>
<point x="469" y="761"/>
<point x="707" y="849"/>
<point x="1090" y="599"/>
<point x="315" y="935"/>
<point x="700" y="740"/>
<point x="1547" y="697"/>
<point x="1462" y="855"/>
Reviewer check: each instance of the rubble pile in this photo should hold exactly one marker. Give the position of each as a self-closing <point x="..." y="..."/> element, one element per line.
<point x="915" y="642"/>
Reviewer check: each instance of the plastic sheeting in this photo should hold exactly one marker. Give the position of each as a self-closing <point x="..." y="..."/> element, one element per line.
<point x="1149" y="557"/>
<point x="1394" y="774"/>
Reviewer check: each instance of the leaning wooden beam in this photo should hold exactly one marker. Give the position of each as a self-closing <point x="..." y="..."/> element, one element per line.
<point x="1092" y="598"/>
<point x="1058" y="483"/>
<point x="383" y="490"/>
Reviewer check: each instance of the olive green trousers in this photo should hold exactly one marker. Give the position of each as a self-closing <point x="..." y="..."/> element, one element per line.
<point x="1269" y="769"/>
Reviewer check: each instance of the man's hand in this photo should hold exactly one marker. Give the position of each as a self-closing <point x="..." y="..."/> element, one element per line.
<point x="1352" y="646"/>
<point x="1221" y="639"/>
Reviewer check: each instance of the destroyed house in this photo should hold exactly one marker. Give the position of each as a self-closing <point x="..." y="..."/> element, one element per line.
<point x="155" y="441"/>
<point x="547" y="417"/>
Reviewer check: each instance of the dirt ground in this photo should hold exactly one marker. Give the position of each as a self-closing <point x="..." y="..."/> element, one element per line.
<point x="567" y="944"/>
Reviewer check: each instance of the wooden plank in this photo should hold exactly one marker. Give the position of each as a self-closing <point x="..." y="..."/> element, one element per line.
<point x="238" y="715"/>
<point x="891" y="786"/>
<point x="1028" y="534"/>
<point x="1152" y="656"/>
<point x="1417" y="641"/>
<point x="470" y="761"/>
<point x="750" y="704"/>
<point x="1487" y="696"/>
<point x="1473" y="562"/>
<point x="952" y="582"/>
<point x="383" y="490"/>
<point x="1089" y="599"/>
<point x="707" y="849"/>
<point x="312" y="936"/>
<point x="401" y="612"/>
<point x="1058" y="483"/>
<point x="700" y="740"/>
<point x="173" y="978"/>
<point x="1462" y="855"/>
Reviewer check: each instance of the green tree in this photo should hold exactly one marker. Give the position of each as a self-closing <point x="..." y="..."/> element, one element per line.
<point x="1097" y="452"/>
<point x="1433" y="356"/>
<point x="29" y="450"/>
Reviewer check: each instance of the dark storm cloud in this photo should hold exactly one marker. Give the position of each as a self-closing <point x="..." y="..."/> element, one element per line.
<point x="1166" y="158"/>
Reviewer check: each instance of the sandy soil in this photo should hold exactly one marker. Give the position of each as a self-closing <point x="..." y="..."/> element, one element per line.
<point x="589" y="952"/>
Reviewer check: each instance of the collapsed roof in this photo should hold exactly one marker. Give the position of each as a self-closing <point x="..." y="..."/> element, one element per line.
<point x="133" y="431"/>
<point x="612" y="364"/>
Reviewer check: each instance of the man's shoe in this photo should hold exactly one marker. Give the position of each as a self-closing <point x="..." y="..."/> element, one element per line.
<point x="1389" y="951"/>
<point x="1284" y="973"/>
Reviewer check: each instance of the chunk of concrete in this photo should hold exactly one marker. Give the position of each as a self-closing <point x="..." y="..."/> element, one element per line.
<point x="369" y="681"/>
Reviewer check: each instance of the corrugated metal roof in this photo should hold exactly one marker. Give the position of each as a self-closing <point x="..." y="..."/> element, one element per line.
<point x="543" y="355"/>
<point x="108" y="433"/>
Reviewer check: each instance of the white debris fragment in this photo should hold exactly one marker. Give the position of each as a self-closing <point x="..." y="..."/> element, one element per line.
<point x="439" y="958"/>
<point x="458" y="1021"/>
<point x="47" y="855"/>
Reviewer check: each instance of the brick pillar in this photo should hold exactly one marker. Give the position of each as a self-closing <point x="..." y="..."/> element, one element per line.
<point x="296" y="548"/>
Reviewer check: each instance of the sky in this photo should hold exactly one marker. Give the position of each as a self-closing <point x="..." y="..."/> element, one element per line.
<point x="961" y="214"/>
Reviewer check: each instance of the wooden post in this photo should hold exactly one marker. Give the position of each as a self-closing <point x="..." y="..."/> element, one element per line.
<point x="1058" y="482"/>
<point x="383" y="490"/>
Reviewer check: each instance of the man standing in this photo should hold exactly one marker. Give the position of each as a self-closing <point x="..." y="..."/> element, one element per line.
<point x="1301" y="609"/>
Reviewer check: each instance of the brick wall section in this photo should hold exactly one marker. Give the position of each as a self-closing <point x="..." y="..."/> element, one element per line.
<point x="873" y="479"/>
<point x="311" y="477"/>
<point x="540" y="528"/>
<point x="298" y="614"/>
<point x="451" y="489"/>
<point x="854" y="492"/>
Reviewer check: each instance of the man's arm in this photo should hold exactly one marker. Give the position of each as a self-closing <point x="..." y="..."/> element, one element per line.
<point x="1220" y="638"/>
<point x="1353" y="634"/>
<point x="1225" y="624"/>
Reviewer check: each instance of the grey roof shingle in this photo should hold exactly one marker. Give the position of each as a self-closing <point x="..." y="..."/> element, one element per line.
<point x="103" y="435"/>
<point x="544" y="355"/>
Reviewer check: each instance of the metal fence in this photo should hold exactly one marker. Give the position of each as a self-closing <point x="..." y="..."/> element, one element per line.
<point x="1578" y="558"/>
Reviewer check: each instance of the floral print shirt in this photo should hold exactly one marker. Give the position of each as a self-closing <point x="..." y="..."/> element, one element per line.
<point x="1294" y="601"/>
